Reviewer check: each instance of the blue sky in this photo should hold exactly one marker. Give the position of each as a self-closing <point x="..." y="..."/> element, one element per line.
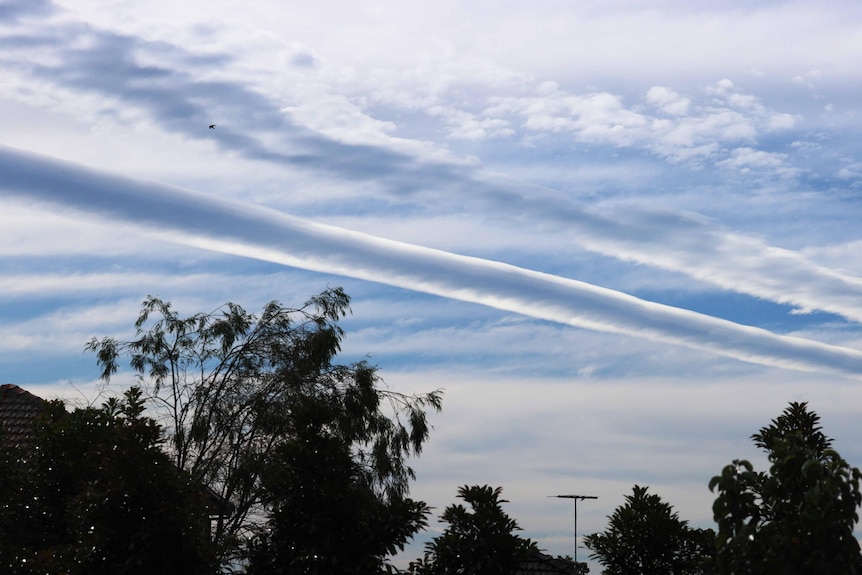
<point x="621" y="236"/>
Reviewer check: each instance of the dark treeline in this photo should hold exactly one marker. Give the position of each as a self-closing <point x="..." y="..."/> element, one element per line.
<point x="262" y="455"/>
<point x="796" y="518"/>
<point x="246" y="447"/>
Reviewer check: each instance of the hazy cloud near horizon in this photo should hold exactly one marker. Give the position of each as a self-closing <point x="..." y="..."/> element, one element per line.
<point x="656" y="206"/>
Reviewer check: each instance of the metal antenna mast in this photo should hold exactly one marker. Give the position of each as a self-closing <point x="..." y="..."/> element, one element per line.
<point x="575" y="498"/>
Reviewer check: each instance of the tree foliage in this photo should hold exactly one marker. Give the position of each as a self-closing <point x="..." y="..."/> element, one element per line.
<point x="480" y="540"/>
<point x="233" y="388"/>
<point x="97" y="495"/>
<point x="799" y="516"/>
<point x="325" y="517"/>
<point x="12" y="510"/>
<point x="646" y="537"/>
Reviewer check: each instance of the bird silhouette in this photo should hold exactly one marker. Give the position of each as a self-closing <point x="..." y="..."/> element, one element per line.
<point x="212" y="126"/>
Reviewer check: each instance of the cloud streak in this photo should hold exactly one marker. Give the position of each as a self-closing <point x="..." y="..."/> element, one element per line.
<point x="200" y="220"/>
<point x="121" y="69"/>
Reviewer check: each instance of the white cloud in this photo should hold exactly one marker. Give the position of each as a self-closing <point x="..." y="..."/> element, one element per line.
<point x="678" y="129"/>
<point x="686" y="154"/>
<point x="568" y="433"/>
<point x="783" y="122"/>
<point x="852" y="171"/>
<point x="592" y="118"/>
<point x="194" y="219"/>
<point x="667" y="101"/>
<point x="746" y="159"/>
<point x="15" y="286"/>
<point x="64" y="331"/>
<point x="466" y="126"/>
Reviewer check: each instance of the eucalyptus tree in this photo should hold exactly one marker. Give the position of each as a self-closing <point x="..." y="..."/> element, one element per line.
<point x="232" y="386"/>
<point x="325" y="517"/>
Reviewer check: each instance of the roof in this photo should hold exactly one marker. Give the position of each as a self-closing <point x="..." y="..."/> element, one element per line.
<point x="18" y="410"/>
<point x="543" y="564"/>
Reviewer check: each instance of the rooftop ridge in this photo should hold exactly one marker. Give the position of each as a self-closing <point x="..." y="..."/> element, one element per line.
<point x="18" y="411"/>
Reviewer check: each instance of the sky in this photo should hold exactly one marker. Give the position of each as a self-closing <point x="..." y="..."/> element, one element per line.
<point x="620" y="236"/>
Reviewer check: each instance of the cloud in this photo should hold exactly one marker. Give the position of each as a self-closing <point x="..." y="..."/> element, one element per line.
<point x="667" y="124"/>
<point x="660" y="181"/>
<point x="141" y="80"/>
<point x="70" y="329"/>
<point x="690" y="244"/>
<point x="466" y="126"/>
<point x="14" y="286"/>
<point x="668" y="101"/>
<point x="206" y="222"/>
<point x="605" y="437"/>
<point x="137" y="83"/>
<point x="136" y="79"/>
<point x="746" y="159"/>
<point x="12" y="10"/>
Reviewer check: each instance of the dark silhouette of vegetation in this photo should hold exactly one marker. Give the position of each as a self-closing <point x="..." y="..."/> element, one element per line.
<point x="646" y="537"/>
<point x="798" y="517"/>
<point x="303" y="464"/>
<point x="242" y="395"/>
<point x="12" y="511"/>
<point x="580" y="568"/>
<point x="324" y="515"/>
<point x="480" y="540"/>
<point x="97" y="495"/>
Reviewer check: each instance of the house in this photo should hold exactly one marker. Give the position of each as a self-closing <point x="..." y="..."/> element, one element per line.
<point x="18" y="411"/>
<point x="543" y="564"/>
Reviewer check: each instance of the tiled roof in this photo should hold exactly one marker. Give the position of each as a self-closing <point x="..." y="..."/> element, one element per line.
<point x="543" y="564"/>
<point x="18" y="409"/>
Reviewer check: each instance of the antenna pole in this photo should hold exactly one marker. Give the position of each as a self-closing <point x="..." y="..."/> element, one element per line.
<point x="575" y="498"/>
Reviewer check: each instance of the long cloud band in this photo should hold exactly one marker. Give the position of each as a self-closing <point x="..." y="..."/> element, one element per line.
<point x="207" y="222"/>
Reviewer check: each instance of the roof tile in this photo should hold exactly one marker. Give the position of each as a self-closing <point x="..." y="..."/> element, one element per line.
<point x="18" y="410"/>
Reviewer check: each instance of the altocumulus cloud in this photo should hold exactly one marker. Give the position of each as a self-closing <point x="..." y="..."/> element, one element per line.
<point x="193" y="218"/>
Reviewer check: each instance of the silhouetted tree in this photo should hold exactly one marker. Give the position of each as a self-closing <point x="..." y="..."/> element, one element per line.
<point x="646" y="537"/>
<point x="97" y="495"/>
<point x="478" y="541"/>
<point x="799" y="517"/>
<point x="325" y="516"/>
<point x="13" y="492"/>
<point x="232" y="387"/>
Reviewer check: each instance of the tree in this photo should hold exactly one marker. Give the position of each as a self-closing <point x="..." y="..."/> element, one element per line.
<point x="797" y="518"/>
<point x="479" y="541"/>
<point x="12" y="511"/>
<point x="325" y="517"/>
<point x="231" y="386"/>
<point x="97" y="495"/>
<point x="646" y="537"/>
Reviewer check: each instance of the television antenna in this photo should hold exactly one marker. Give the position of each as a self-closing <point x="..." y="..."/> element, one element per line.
<point x="575" y="498"/>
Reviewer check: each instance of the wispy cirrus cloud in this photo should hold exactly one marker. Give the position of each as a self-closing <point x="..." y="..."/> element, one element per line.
<point x="197" y="219"/>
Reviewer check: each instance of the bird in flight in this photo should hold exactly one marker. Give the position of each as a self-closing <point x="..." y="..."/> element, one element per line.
<point x="212" y="126"/>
